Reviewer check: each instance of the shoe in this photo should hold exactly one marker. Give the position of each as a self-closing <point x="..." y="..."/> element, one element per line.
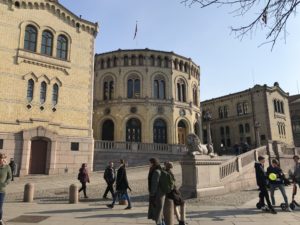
<point x="110" y="206"/>
<point x="1" y="222"/>
<point x="265" y="208"/>
<point x="86" y="197"/>
<point x="128" y="207"/>
<point x="273" y="211"/>
<point x="289" y="209"/>
<point x="104" y="197"/>
<point x="182" y="223"/>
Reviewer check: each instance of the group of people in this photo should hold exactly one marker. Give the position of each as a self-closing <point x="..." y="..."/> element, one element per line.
<point x="274" y="178"/>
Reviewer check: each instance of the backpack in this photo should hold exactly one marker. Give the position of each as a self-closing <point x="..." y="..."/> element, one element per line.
<point x="166" y="182"/>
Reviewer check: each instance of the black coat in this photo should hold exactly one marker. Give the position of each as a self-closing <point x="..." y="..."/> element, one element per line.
<point x="278" y="172"/>
<point x="261" y="177"/>
<point x="110" y="175"/>
<point x="122" y="182"/>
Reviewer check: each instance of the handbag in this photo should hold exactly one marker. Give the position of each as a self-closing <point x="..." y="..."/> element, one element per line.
<point x="175" y="195"/>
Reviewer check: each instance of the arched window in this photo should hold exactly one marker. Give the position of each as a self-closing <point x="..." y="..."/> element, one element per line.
<point x="102" y="64"/>
<point x="195" y="95"/>
<point x="245" y="107"/>
<point x="176" y="64"/>
<point x="133" y="88"/>
<point x="181" y="66"/>
<point x="55" y="94"/>
<point x="108" y="129"/>
<point x="275" y="105"/>
<point x="166" y="62"/>
<point x="141" y="60"/>
<point x="115" y="61"/>
<point x="181" y="94"/>
<point x="30" y="39"/>
<point x="225" y="111"/>
<point x="30" y="89"/>
<point x="43" y="92"/>
<point x="62" y="47"/>
<point x="133" y="60"/>
<point x="159" y="88"/>
<point x="278" y="106"/>
<point x="182" y="132"/>
<point x="47" y="43"/>
<point x="152" y="60"/>
<point x="159" y="61"/>
<point x="241" y="128"/>
<point x="221" y="112"/>
<point x="247" y="128"/>
<point x="108" y="63"/>
<point x="186" y="67"/>
<point x="239" y="109"/>
<point x="160" y="131"/>
<point x="108" y="89"/>
<point x="282" y="107"/>
<point x="133" y="130"/>
<point x="125" y="60"/>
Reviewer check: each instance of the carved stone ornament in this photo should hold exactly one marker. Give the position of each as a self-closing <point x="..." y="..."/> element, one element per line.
<point x="182" y="112"/>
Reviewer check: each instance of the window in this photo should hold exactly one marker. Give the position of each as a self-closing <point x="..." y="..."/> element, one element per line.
<point x="241" y="128"/>
<point x="185" y="67"/>
<point x="152" y="60"/>
<point x="62" y="47"/>
<point x="108" y="63"/>
<point x="141" y="60"/>
<point x="181" y="95"/>
<point x="30" y="39"/>
<point x="159" y="61"/>
<point x="228" y="142"/>
<point x="245" y="107"/>
<point x="222" y="131"/>
<point x="108" y="128"/>
<point x="43" y="92"/>
<point x="133" y="130"/>
<point x="225" y="111"/>
<point x="195" y="95"/>
<point x="30" y="88"/>
<point x="239" y="109"/>
<point x="176" y="64"/>
<point x="133" y="60"/>
<point x="1" y="143"/>
<point x="160" y="131"/>
<point x="133" y="88"/>
<point x="102" y="64"/>
<point x="221" y="113"/>
<point x="55" y="94"/>
<point x="159" y="88"/>
<point x="263" y="137"/>
<point x="227" y="131"/>
<point x="275" y="105"/>
<point x="247" y="128"/>
<point x="166" y="62"/>
<point x="282" y="107"/>
<point x="74" y="146"/>
<point x="115" y="61"/>
<point x="108" y="89"/>
<point x="125" y="60"/>
<point x="181" y="66"/>
<point x="47" y="43"/>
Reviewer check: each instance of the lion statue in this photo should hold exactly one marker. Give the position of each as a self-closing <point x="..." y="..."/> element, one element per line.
<point x="195" y="147"/>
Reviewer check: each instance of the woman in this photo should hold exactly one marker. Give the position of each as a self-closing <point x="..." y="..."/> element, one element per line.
<point x="121" y="186"/>
<point x="83" y="177"/>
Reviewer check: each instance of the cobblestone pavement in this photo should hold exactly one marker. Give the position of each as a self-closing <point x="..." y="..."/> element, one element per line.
<point x="51" y="204"/>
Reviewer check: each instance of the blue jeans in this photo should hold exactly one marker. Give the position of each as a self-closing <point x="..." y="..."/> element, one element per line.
<point x="282" y="190"/>
<point x="125" y="194"/>
<point x="2" y="195"/>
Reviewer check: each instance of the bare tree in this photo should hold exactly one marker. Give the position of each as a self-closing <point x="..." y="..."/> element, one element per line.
<point x="271" y="15"/>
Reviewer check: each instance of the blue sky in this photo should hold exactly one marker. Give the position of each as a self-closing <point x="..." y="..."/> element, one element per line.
<point x="227" y="64"/>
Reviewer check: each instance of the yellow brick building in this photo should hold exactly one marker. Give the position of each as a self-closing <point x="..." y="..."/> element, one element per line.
<point x="147" y="96"/>
<point x="46" y="86"/>
<point x="254" y="116"/>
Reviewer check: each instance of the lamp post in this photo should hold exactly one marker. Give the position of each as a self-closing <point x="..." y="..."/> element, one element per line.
<point x="207" y="117"/>
<point x="257" y="125"/>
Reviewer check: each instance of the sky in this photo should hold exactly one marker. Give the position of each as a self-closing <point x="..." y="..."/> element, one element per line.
<point x="227" y="63"/>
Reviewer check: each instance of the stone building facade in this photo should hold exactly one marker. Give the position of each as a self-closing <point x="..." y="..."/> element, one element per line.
<point x="294" y="102"/>
<point x="145" y="96"/>
<point x="46" y="86"/>
<point x="254" y="116"/>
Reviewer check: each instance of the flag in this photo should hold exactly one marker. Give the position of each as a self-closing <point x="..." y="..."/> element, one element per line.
<point x="135" y="32"/>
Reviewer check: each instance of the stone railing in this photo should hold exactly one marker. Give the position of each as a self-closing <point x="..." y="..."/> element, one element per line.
<point x="290" y="151"/>
<point x="112" y="146"/>
<point x="237" y="163"/>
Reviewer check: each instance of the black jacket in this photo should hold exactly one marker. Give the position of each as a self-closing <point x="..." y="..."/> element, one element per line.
<point x="279" y="174"/>
<point x="261" y="177"/>
<point x="110" y="175"/>
<point x="122" y="182"/>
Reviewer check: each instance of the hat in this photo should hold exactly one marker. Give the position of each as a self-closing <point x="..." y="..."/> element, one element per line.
<point x="260" y="158"/>
<point x="296" y="157"/>
<point x="169" y="165"/>
<point x="2" y="156"/>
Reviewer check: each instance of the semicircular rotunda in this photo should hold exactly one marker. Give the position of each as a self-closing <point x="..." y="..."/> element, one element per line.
<point x="145" y="96"/>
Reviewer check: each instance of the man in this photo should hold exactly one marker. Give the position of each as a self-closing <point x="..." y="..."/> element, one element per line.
<point x="261" y="180"/>
<point x="296" y="174"/>
<point x="13" y="167"/>
<point x="109" y="177"/>
<point x="5" y="176"/>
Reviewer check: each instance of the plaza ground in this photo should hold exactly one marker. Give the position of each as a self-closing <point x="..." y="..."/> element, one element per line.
<point x="51" y="204"/>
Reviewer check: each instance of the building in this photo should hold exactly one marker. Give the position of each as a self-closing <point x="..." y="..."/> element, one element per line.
<point x="294" y="102"/>
<point x="254" y="116"/>
<point x="46" y="86"/>
<point x="146" y="96"/>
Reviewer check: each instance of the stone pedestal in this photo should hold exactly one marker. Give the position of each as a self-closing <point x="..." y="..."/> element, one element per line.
<point x="200" y="176"/>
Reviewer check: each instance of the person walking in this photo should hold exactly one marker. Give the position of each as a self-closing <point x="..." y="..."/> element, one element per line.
<point x="109" y="177"/>
<point x="121" y="186"/>
<point x="5" y="177"/>
<point x="276" y="180"/>
<point x="175" y="195"/>
<point x="261" y="180"/>
<point x="156" y="195"/>
<point x="13" y="167"/>
<point x="83" y="177"/>
<point x="296" y="173"/>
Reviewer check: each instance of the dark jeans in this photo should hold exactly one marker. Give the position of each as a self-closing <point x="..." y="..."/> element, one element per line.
<point x="83" y="188"/>
<point x="125" y="194"/>
<point x="282" y="189"/>
<point x="2" y="196"/>
<point x="263" y="194"/>
<point x="110" y="189"/>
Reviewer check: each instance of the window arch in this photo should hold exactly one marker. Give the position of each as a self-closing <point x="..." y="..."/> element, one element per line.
<point x="55" y="94"/>
<point x="133" y="87"/>
<point x="133" y="130"/>
<point x="181" y="90"/>
<point x="47" y="43"/>
<point x="43" y="92"/>
<point x="62" y="47"/>
<point x="108" y="89"/>
<point x="159" y="87"/>
<point x="30" y="89"/>
<point x="30" y="40"/>
<point x="160" y="131"/>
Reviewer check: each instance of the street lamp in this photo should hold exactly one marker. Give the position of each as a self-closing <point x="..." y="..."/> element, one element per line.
<point x="207" y="118"/>
<point x="257" y="125"/>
